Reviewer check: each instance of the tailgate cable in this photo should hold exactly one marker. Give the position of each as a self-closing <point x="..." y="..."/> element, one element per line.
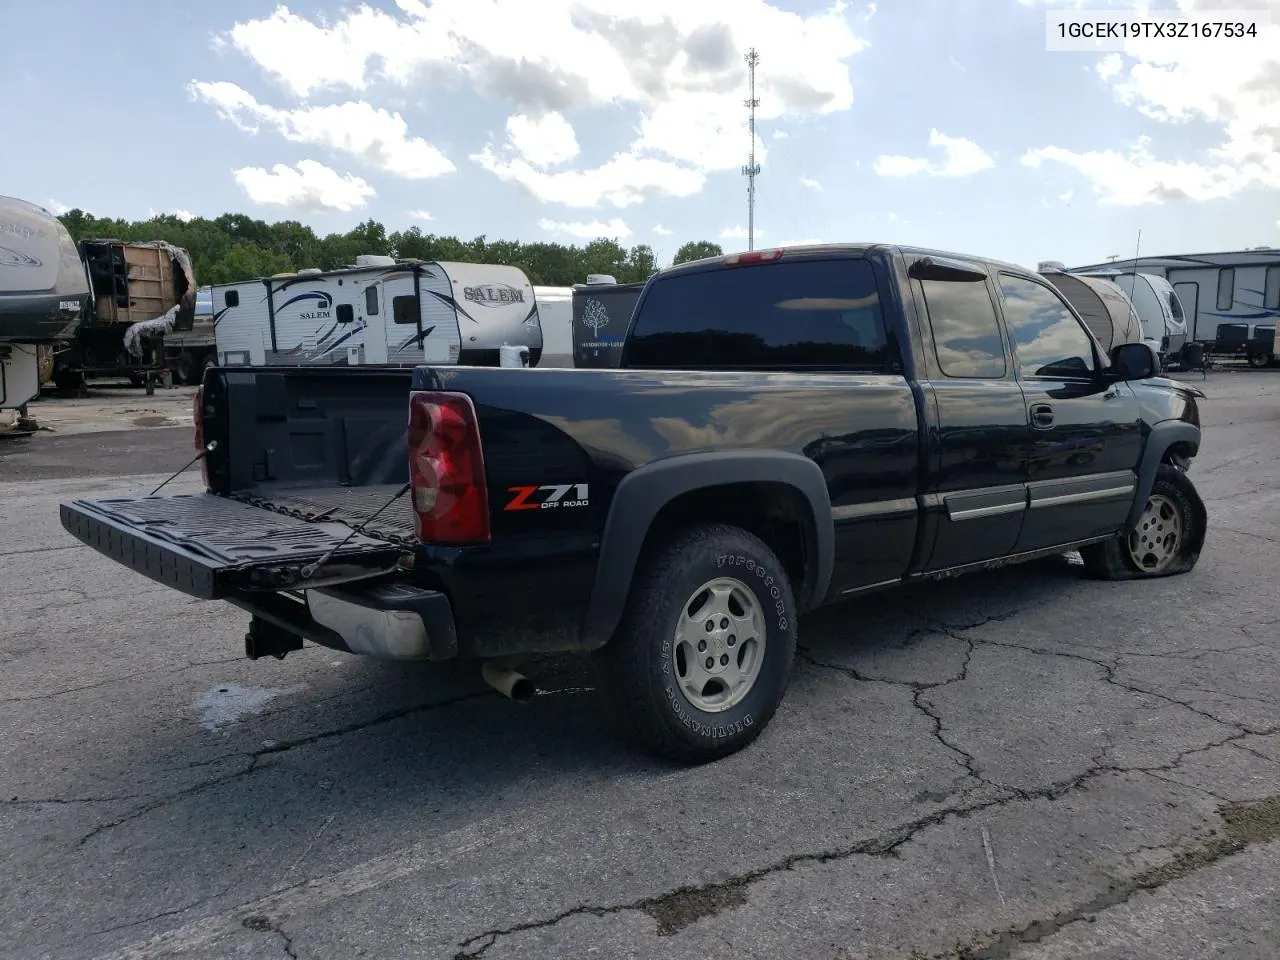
<point x="310" y="569"/>
<point x="208" y="449"/>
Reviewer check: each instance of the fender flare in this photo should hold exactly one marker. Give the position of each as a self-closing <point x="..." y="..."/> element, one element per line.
<point x="646" y="490"/>
<point x="1163" y="435"/>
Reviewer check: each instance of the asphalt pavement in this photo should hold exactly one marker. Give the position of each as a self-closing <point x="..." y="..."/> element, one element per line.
<point x="1023" y="764"/>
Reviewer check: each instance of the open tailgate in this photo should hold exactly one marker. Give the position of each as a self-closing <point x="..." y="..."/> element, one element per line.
<point x="212" y="547"/>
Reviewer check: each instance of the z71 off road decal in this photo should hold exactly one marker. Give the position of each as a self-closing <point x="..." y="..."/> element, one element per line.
<point x="547" y="497"/>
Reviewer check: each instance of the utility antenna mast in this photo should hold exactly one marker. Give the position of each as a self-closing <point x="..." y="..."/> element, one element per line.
<point x="752" y="169"/>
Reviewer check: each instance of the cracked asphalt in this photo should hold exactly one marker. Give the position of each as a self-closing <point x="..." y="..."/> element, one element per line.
<point x="1023" y="764"/>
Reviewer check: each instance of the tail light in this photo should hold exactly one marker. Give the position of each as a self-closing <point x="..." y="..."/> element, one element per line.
<point x="446" y="469"/>
<point x="197" y="417"/>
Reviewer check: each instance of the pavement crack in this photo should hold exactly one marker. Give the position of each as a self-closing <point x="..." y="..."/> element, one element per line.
<point x="56" y="801"/>
<point x="1108" y="669"/>
<point x="262" y="924"/>
<point x="1245" y="823"/>
<point x="280" y="746"/>
<point x="24" y="553"/>
<point x="1246" y="533"/>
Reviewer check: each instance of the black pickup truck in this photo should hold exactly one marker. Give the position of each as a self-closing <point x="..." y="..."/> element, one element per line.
<point x="787" y="428"/>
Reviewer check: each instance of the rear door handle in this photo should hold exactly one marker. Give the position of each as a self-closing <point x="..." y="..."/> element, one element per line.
<point x="1041" y="415"/>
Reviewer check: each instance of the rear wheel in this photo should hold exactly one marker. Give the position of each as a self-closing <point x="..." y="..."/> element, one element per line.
<point x="702" y="658"/>
<point x="1166" y="540"/>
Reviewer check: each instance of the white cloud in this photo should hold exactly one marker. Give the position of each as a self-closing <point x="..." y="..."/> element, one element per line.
<point x="677" y="64"/>
<point x="738" y="233"/>
<point x="780" y="135"/>
<point x="1110" y="66"/>
<point x="184" y="215"/>
<point x="308" y="186"/>
<point x="810" y="183"/>
<point x="1228" y="83"/>
<point x="1138" y="177"/>
<point x="1066" y="196"/>
<point x="421" y="215"/>
<point x="590" y="230"/>
<point x="962" y="158"/>
<point x="57" y="207"/>
<point x="662" y="231"/>
<point x="622" y="181"/>
<point x="893" y="216"/>
<point x="544" y="141"/>
<point x="379" y="138"/>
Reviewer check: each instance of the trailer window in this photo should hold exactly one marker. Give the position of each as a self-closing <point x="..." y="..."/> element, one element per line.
<point x="371" y="300"/>
<point x="346" y="313"/>
<point x="404" y="309"/>
<point x="1226" y="288"/>
<point x="1271" y="292"/>
<point x="231" y="298"/>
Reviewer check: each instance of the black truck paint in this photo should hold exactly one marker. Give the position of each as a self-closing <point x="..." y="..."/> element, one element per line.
<point x="913" y="442"/>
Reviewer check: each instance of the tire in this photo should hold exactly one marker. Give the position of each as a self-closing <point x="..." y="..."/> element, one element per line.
<point x="184" y="369"/>
<point x="648" y="668"/>
<point x="1166" y="540"/>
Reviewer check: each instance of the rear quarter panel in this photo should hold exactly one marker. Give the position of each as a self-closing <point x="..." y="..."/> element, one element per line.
<point x="548" y="431"/>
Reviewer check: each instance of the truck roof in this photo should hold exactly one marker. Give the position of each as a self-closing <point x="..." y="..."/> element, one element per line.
<point x="817" y="250"/>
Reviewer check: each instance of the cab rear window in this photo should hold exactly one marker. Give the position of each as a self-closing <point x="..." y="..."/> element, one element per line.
<point x="779" y="315"/>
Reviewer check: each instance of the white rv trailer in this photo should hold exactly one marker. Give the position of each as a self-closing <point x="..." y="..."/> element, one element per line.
<point x="378" y="312"/>
<point x="555" y="316"/>
<point x="1234" y="287"/>
<point x="1159" y="309"/>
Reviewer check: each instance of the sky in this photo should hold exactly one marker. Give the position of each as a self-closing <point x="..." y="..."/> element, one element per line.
<point x="940" y="123"/>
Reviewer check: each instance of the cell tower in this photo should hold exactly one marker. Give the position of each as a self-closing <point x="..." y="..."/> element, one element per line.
<point x="752" y="169"/>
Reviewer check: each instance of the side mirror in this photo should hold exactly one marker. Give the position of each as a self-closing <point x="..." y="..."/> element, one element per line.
<point x="1134" y="361"/>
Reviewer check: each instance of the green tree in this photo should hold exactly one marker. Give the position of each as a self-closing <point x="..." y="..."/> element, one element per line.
<point x="234" y="247"/>
<point x="697" y="250"/>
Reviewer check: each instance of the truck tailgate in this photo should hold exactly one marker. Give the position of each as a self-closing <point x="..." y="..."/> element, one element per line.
<point x="210" y="546"/>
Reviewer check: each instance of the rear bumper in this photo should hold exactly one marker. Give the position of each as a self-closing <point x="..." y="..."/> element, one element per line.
<point x="387" y="621"/>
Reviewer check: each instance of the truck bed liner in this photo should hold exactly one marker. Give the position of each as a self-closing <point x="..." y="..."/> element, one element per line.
<point x="348" y="505"/>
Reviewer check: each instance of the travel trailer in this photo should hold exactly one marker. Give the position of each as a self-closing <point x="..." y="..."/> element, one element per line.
<point x="44" y="292"/>
<point x="379" y="311"/>
<point x="189" y="353"/>
<point x="141" y="292"/>
<point x="555" y="316"/>
<point x="1236" y="287"/>
<point x="1159" y="308"/>
<point x="601" y="314"/>
<point x="1105" y="309"/>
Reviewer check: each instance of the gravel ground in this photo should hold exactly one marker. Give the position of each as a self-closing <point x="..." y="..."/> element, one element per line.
<point x="1023" y="764"/>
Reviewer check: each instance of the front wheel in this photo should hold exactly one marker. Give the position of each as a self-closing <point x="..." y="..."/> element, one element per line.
<point x="703" y="655"/>
<point x="1166" y="540"/>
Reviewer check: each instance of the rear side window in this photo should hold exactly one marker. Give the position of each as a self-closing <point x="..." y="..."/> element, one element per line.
<point x="782" y="315"/>
<point x="966" y="333"/>
<point x="1271" y="289"/>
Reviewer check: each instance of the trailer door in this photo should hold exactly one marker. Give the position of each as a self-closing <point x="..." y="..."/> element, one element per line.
<point x="1188" y="292"/>
<point x="375" y="324"/>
